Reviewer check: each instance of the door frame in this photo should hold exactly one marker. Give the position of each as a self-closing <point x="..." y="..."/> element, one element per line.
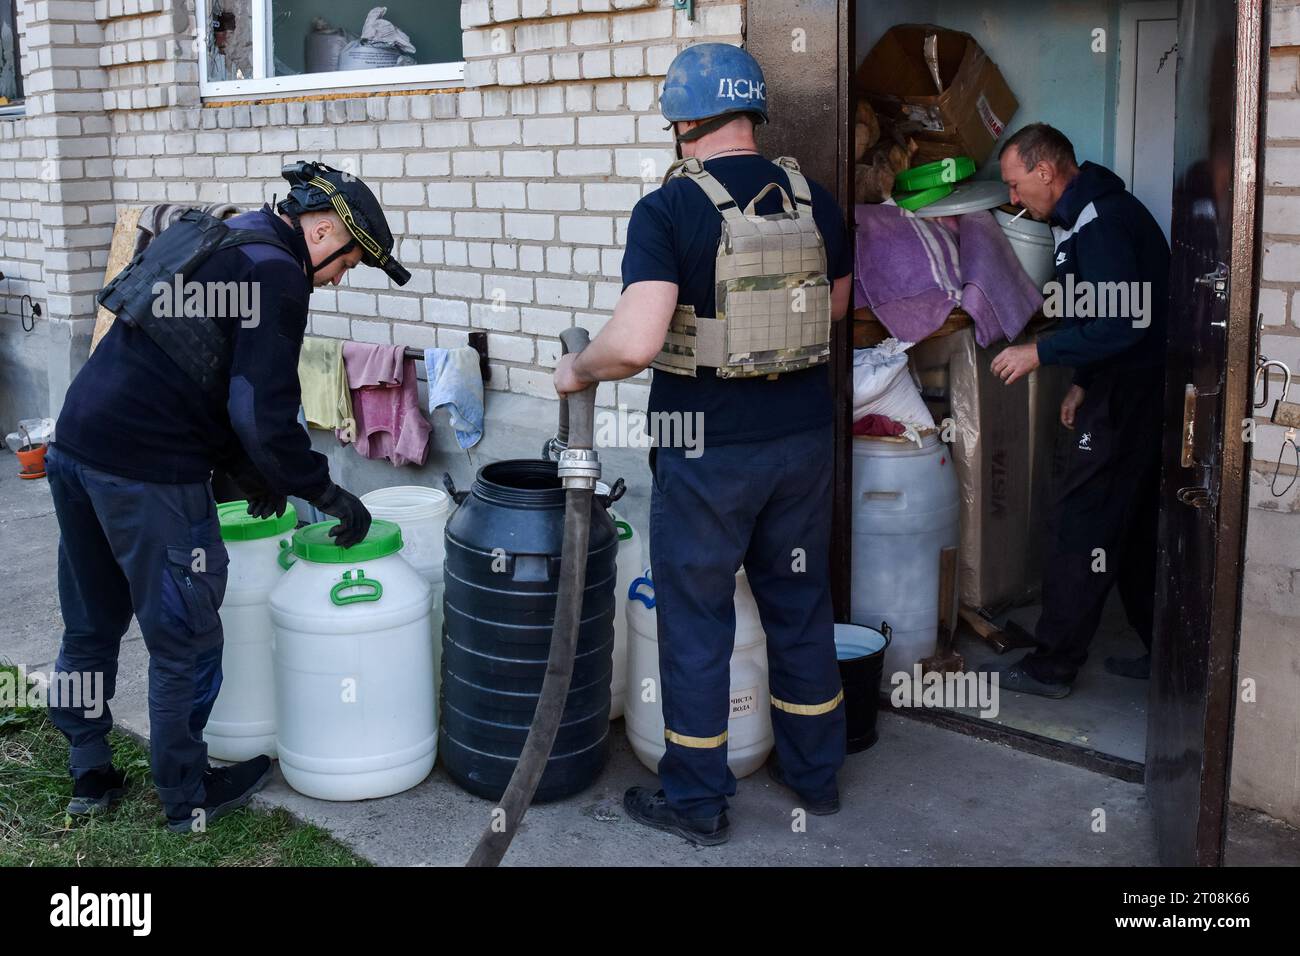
<point x="1244" y="264"/>
<point x="1130" y="14"/>
<point x="1252" y="27"/>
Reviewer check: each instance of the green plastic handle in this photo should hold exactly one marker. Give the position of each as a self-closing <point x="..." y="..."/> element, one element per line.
<point x="286" y="556"/>
<point x="624" y="529"/>
<point x="374" y="593"/>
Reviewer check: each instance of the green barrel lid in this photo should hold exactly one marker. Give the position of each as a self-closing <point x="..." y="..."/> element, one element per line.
<point x="238" y="525"/>
<point x="315" y="544"/>
<point x="922" y="198"/>
<point x="944" y="171"/>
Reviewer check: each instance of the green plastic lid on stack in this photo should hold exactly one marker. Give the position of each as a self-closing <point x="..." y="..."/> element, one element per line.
<point x="314" y="543"/>
<point x="917" y="188"/>
<point x="947" y="172"/>
<point x="238" y="525"/>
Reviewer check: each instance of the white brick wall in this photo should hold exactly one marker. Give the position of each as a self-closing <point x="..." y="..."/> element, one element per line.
<point x="1265" y="775"/>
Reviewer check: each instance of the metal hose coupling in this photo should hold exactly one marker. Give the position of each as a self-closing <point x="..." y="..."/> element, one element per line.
<point x="579" y="468"/>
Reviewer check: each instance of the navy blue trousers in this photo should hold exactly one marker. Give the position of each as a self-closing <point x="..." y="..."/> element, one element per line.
<point x="767" y="505"/>
<point x="153" y="550"/>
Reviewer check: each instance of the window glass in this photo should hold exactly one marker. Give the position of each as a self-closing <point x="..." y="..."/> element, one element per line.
<point x="229" y="34"/>
<point x="314" y="37"/>
<point x="11" y="79"/>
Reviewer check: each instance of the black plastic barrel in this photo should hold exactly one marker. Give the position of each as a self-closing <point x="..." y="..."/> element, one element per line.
<point x="861" y="653"/>
<point x="502" y="577"/>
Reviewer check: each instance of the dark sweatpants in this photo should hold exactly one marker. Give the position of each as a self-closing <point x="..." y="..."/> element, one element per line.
<point x="767" y="505"/>
<point x="1103" y="527"/>
<point x="154" y="550"/>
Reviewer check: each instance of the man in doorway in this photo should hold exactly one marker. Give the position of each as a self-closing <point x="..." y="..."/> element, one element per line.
<point x="759" y="493"/>
<point x="1111" y="295"/>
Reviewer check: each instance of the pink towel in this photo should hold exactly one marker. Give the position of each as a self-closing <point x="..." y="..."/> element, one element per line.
<point x="386" y="403"/>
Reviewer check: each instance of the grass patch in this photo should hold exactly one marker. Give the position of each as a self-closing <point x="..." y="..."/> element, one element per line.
<point x="36" y="831"/>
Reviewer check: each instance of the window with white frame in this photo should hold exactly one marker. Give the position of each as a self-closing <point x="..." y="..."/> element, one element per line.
<point x="269" y="46"/>
<point x="11" y="74"/>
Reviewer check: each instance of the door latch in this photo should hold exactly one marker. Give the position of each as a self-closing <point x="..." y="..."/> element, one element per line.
<point x="1195" y="496"/>
<point x="1217" y="282"/>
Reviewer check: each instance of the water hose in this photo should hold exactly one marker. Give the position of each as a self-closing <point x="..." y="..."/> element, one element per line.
<point x="578" y="470"/>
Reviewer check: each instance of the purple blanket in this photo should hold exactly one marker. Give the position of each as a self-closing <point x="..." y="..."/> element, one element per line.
<point x="913" y="272"/>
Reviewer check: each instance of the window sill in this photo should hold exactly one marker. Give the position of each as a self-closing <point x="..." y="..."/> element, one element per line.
<point x="338" y="81"/>
<point x="13" y="110"/>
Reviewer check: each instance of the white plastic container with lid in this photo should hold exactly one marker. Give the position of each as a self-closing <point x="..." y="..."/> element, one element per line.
<point x="242" y="722"/>
<point x="354" y="669"/>
<point x="421" y="513"/>
<point x="749" y="728"/>
<point x="629" y="568"/>
<point x="905" y="511"/>
<point x="1033" y="244"/>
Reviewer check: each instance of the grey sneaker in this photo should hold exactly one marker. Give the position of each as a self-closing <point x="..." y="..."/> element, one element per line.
<point x="96" y="791"/>
<point x="1015" y="678"/>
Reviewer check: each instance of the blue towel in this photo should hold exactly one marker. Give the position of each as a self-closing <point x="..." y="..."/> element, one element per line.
<point x="456" y="381"/>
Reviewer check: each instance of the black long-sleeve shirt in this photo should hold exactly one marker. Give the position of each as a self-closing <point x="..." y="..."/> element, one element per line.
<point x="131" y="411"/>
<point x="1105" y="239"/>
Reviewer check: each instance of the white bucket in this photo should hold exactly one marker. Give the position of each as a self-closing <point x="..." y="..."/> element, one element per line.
<point x="1033" y="245"/>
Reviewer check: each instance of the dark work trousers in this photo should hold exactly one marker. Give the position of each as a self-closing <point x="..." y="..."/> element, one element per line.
<point x="767" y="505"/>
<point x="154" y="550"/>
<point x="1103" y="527"/>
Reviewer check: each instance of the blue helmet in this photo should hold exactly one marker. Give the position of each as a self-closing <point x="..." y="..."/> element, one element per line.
<point x="713" y="79"/>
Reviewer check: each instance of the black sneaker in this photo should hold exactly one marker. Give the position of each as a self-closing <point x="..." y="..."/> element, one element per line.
<point x="226" y="789"/>
<point x="822" y="808"/>
<point x="649" y="808"/>
<point x="96" y="791"/>
<point x="1138" y="668"/>
<point x="1015" y="678"/>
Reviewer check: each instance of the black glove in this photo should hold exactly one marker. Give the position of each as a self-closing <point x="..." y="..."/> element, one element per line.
<point x="354" y="519"/>
<point x="263" y="501"/>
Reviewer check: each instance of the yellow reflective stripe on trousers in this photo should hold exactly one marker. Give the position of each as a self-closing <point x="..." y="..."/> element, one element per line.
<point x="808" y="710"/>
<point x="699" y="743"/>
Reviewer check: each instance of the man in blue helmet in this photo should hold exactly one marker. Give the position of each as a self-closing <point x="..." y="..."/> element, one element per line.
<point x="731" y="301"/>
<point x="199" y="371"/>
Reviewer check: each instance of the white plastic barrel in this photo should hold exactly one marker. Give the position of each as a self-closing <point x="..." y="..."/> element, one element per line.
<point x="1033" y="245"/>
<point x="354" y="668"/>
<point x="749" y="728"/>
<point x="629" y="568"/>
<point x="421" y="513"/>
<point x="242" y="722"/>
<point x="905" y="509"/>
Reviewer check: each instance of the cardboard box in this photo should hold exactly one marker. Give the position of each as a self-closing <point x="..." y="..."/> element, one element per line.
<point x="966" y="119"/>
<point x="990" y="450"/>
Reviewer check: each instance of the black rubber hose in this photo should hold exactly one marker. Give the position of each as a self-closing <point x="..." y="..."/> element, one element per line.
<point x="578" y="416"/>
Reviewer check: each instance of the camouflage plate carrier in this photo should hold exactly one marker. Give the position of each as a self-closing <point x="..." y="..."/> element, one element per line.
<point x="773" y="295"/>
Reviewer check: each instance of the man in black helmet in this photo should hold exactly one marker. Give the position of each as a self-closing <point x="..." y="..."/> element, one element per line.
<point x="200" y="371"/>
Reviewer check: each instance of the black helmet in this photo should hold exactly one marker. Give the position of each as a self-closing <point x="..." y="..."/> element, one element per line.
<point x="317" y="186"/>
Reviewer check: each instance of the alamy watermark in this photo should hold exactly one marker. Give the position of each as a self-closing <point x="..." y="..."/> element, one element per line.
<point x="1099" y="300"/>
<point x="954" y="690"/>
<point x="632" y="428"/>
<point x="76" y="690"/>
<point x="214" y="300"/>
